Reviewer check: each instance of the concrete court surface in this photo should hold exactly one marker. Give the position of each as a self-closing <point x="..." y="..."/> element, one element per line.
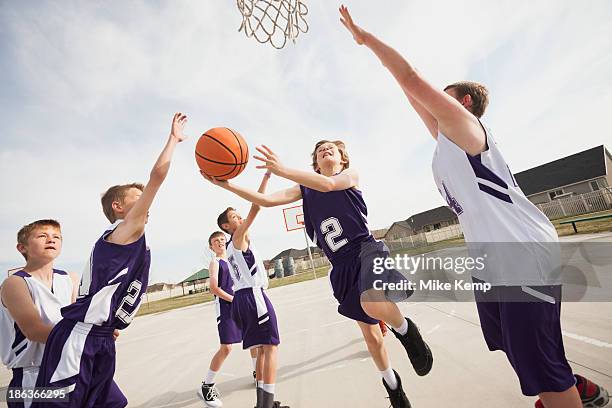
<point x="323" y="362"/>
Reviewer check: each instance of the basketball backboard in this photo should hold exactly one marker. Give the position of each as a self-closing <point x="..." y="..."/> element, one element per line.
<point x="294" y="218"/>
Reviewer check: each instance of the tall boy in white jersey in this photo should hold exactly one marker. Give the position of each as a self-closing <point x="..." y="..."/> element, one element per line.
<point x="474" y="179"/>
<point x="31" y="302"/>
<point x="80" y="351"/>
<point x="251" y="308"/>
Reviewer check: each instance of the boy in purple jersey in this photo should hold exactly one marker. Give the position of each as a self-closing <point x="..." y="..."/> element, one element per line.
<point x="229" y="333"/>
<point x="251" y="307"/>
<point x="80" y="352"/>
<point x="526" y="328"/>
<point x="335" y="216"/>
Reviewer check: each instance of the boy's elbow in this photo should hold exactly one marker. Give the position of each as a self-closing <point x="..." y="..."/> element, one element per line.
<point x="329" y="185"/>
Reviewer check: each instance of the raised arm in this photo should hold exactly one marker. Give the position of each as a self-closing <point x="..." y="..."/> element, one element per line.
<point x="453" y="120"/>
<point x="133" y="226"/>
<point x="239" y="237"/>
<point x="342" y="181"/>
<point x="17" y="299"/>
<point x="213" y="269"/>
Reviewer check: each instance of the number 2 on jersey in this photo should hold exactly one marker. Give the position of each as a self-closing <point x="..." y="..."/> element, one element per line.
<point x="332" y="229"/>
<point x="129" y="300"/>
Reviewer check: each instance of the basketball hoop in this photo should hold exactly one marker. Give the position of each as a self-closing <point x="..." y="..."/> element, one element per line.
<point x="273" y="21"/>
<point x="294" y="218"/>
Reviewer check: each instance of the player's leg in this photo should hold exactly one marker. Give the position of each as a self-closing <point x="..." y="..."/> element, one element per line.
<point x="533" y="342"/>
<point x="564" y="399"/>
<point x="378" y="307"/>
<point x="114" y="398"/>
<point x="373" y="338"/>
<point x="253" y="353"/>
<point x="208" y="392"/>
<point x="259" y="366"/>
<point x="591" y="394"/>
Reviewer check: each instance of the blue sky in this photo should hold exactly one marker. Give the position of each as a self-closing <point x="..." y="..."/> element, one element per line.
<point x="89" y="89"/>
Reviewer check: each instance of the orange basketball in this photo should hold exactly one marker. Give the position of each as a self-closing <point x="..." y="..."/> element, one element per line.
<point x="222" y="153"/>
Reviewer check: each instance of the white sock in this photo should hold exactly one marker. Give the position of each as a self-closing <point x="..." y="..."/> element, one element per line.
<point x="260" y="384"/>
<point x="269" y="388"/>
<point x="210" y="377"/>
<point x="390" y="378"/>
<point x="403" y="329"/>
<point x="254" y="363"/>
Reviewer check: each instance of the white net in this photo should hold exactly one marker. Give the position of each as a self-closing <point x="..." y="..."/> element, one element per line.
<point x="273" y="21"/>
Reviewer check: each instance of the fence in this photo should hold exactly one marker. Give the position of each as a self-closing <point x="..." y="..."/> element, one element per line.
<point x="425" y="238"/>
<point x="594" y="201"/>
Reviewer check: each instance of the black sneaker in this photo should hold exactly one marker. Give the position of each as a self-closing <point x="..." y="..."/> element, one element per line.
<point x="397" y="397"/>
<point x="255" y="378"/>
<point x="268" y="401"/>
<point x="418" y="351"/>
<point x="210" y="395"/>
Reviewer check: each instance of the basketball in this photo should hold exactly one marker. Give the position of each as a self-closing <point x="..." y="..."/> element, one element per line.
<point x="221" y="153"/>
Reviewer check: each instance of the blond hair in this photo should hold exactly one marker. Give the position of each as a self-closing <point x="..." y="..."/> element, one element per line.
<point x="116" y="194"/>
<point x="24" y="233"/>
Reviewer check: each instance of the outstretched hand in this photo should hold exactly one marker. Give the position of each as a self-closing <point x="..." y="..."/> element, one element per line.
<point x="272" y="163"/>
<point x="215" y="181"/>
<point x="358" y="33"/>
<point x="178" y="124"/>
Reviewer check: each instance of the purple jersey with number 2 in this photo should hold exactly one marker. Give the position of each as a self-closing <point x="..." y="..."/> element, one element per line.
<point x="113" y="283"/>
<point x="335" y="221"/>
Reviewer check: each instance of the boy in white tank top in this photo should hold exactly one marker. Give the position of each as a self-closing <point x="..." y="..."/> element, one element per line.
<point x="474" y="179"/>
<point x="31" y="301"/>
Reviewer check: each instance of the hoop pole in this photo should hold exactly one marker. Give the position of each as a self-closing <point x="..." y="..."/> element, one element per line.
<point x="310" y="254"/>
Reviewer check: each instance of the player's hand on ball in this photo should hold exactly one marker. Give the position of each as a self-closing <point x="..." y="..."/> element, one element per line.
<point x="272" y="163"/>
<point x="358" y="33"/>
<point x="215" y="181"/>
<point x="178" y="124"/>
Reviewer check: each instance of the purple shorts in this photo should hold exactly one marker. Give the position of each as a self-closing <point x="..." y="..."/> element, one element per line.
<point x="353" y="274"/>
<point x="255" y="317"/>
<point x="229" y="333"/>
<point x="81" y="357"/>
<point x="529" y="332"/>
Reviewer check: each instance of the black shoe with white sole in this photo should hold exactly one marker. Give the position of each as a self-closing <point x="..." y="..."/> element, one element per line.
<point x="210" y="395"/>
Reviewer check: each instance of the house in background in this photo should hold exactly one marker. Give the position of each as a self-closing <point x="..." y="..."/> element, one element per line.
<point x="422" y="222"/>
<point x="579" y="173"/>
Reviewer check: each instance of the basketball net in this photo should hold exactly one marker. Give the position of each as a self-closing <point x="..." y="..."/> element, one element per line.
<point x="273" y="21"/>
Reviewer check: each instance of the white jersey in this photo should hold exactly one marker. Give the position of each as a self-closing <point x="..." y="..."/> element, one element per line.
<point x="491" y="208"/>
<point x="246" y="268"/>
<point x="16" y="350"/>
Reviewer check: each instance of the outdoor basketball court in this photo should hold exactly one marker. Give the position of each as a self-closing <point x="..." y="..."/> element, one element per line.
<point x="162" y="358"/>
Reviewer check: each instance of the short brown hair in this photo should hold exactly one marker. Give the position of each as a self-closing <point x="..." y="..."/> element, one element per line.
<point x="478" y="92"/>
<point x="222" y="219"/>
<point x="116" y="193"/>
<point x="341" y="148"/>
<point x="215" y="235"/>
<point x="24" y="233"/>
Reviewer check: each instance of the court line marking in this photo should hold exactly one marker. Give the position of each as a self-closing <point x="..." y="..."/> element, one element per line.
<point x="586" y="339"/>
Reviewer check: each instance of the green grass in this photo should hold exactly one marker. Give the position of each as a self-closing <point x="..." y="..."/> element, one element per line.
<point x="163" y="305"/>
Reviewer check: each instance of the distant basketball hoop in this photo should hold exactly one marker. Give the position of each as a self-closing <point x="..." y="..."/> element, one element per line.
<point x="294" y="220"/>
